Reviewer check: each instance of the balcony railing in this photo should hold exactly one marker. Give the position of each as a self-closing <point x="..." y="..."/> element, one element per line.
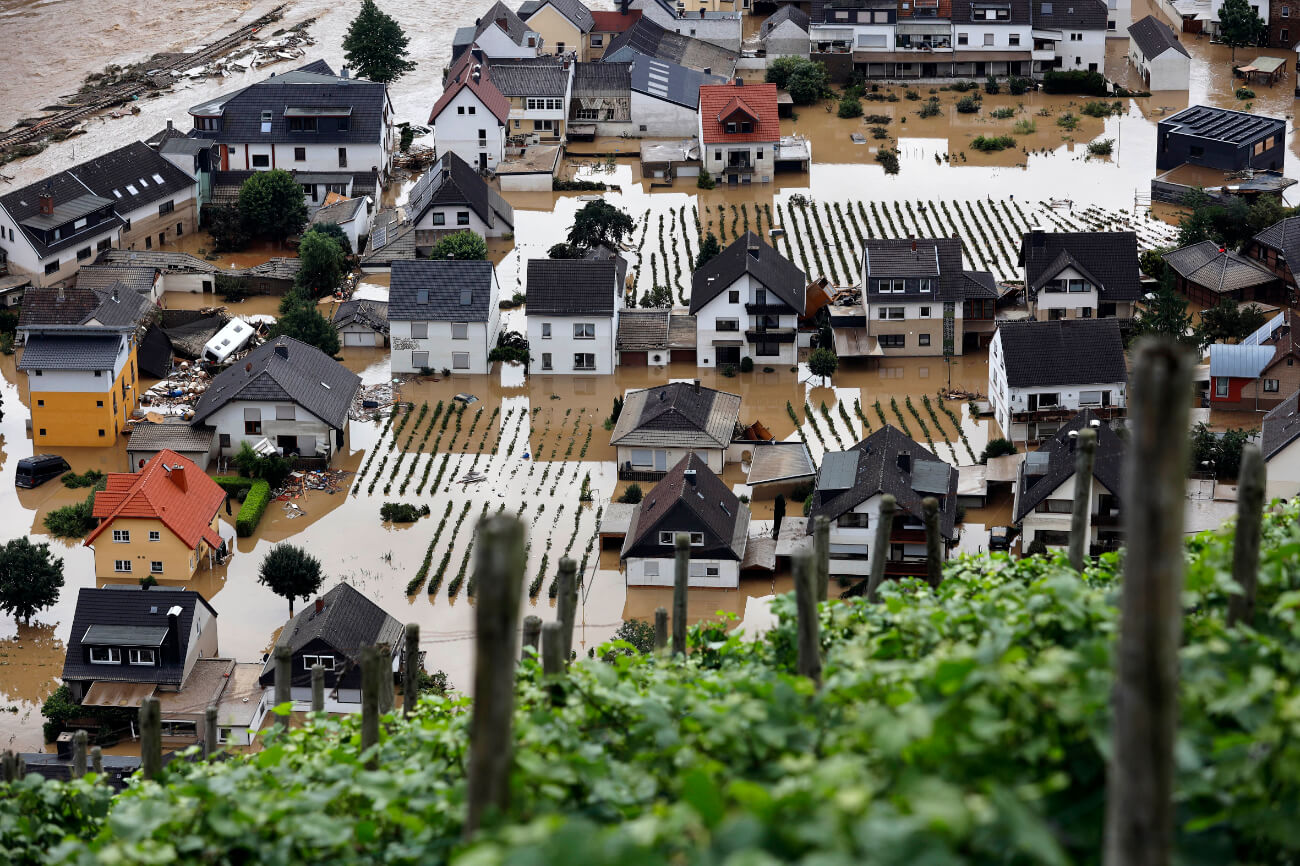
<point x="769" y="310"/>
<point x="1061" y="413"/>
<point x="771" y="335"/>
<point x="731" y="168"/>
<point x="905" y="568"/>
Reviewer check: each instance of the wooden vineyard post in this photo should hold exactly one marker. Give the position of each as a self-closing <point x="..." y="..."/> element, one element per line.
<point x="1251" y="480"/>
<point x="880" y="552"/>
<point x="79" y="741"/>
<point x="553" y="648"/>
<point x="387" y="690"/>
<point x="150" y="738"/>
<point x="411" y="669"/>
<point x="681" y="578"/>
<point x="566" y="603"/>
<point x="661" y="629"/>
<point x="97" y="760"/>
<point x="933" y="543"/>
<point x="1139" y="783"/>
<point x="371" y="665"/>
<point x="210" y="731"/>
<point x="318" y="688"/>
<point x="499" y="569"/>
<point x="283" y="679"/>
<point x="822" y="555"/>
<point x="805" y="594"/>
<point x="532" y="634"/>
<point x="13" y="767"/>
<point x="1085" y="457"/>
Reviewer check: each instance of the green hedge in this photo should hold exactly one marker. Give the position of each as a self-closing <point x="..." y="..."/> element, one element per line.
<point x="250" y="513"/>
<point x="1075" y="81"/>
<point x="234" y="485"/>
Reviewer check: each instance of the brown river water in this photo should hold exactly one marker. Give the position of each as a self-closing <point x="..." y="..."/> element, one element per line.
<point x="986" y="199"/>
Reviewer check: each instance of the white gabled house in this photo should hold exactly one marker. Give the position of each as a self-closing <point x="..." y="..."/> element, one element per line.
<point x="1158" y="56"/>
<point x="1280" y="442"/>
<point x="659" y="426"/>
<point x="452" y="197"/>
<point x="443" y="315"/>
<point x="499" y="32"/>
<point x="471" y="116"/>
<point x="573" y="309"/>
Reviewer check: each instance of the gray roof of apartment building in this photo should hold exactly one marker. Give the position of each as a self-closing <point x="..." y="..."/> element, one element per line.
<point x="572" y="287"/>
<point x="70" y="351"/>
<point x="602" y="79"/>
<point x="347" y="622"/>
<point x="748" y="254"/>
<point x="134" y="279"/>
<point x="135" y="608"/>
<point x="1110" y="258"/>
<point x="453" y="181"/>
<point x="703" y="499"/>
<point x="677" y="415"/>
<point x="936" y="258"/>
<point x="872" y="466"/>
<point x="1068" y="14"/>
<point x="666" y="80"/>
<point x="1063" y="352"/>
<point x="1154" y="37"/>
<point x="1281" y="426"/>
<point x="577" y="13"/>
<point x="440" y="290"/>
<point x="517" y="78"/>
<point x="1058" y="460"/>
<point x="788" y="12"/>
<point x="648" y="38"/>
<point x="1210" y="266"/>
<point x="303" y="375"/>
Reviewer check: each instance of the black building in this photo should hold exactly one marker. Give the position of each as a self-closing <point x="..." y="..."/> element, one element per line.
<point x="1220" y="138"/>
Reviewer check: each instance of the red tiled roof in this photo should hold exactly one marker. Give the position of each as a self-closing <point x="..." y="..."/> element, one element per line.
<point x="170" y="488"/>
<point x="614" y="22"/>
<point x="461" y="76"/>
<point x="760" y="99"/>
<point x="737" y="106"/>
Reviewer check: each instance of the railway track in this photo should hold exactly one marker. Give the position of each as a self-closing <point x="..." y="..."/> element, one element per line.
<point x="118" y="94"/>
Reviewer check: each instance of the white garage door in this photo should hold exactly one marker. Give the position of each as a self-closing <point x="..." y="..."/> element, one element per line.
<point x="351" y="338"/>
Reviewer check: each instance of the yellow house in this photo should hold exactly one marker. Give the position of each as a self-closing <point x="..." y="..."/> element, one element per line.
<point x="161" y="521"/>
<point x="79" y="356"/>
<point x="563" y="25"/>
<point x="538" y="90"/>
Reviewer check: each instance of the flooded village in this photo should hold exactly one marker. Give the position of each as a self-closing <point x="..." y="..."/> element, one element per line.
<point x="961" y="252"/>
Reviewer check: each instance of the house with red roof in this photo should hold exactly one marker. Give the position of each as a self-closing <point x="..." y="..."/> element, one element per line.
<point x="471" y="116"/>
<point x="739" y="131"/>
<point x="607" y="25"/>
<point x="160" y="522"/>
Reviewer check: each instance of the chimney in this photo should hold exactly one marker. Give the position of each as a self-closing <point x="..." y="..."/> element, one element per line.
<point x="169" y="124"/>
<point x="114" y="295"/>
<point x="248" y="368"/>
<point x="46" y="199"/>
<point x="689" y="475"/>
<point x="343" y="73"/>
<point x="697" y="386"/>
<point x="912" y="238"/>
<point x="282" y="350"/>
<point x="320" y="605"/>
<point x="708" y="70"/>
<point x="60" y="297"/>
<point x="477" y="54"/>
<point x="1036" y="236"/>
<point x="178" y="476"/>
<point x="174" y="631"/>
<point x="905" y="462"/>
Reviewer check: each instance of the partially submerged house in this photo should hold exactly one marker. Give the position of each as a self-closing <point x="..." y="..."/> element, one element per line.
<point x="285" y="391"/>
<point x="692" y="500"/>
<point x="915" y="294"/>
<point x="1220" y="138"/>
<point x="1209" y="274"/>
<point x="785" y="33"/>
<point x="142" y="280"/>
<point x="723" y="28"/>
<point x="362" y="323"/>
<point x="350" y="214"/>
<point x="1046" y="488"/>
<point x="451" y="196"/>
<point x="658" y="426"/>
<point x="1042" y="373"/>
<point x="1257" y="373"/>
<point x="605" y="27"/>
<point x="573" y="311"/>
<point x="654" y="337"/>
<point x="739" y="131"/>
<point x="1081" y="275"/>
<point x="1158" y="56"/>
<point x="849" y="487"/>
<point x="602" y="100"/>
<point x="471" y="116"/>
<point x="747" y="301"/>
<point x="196" y="443"/>
<point x="161" y="522"/>
<point x="443" y="315"/>
<point x="538" y="90"/>
<point x="665" y="97"/>
<point x="562" y="24"/>
<point x="1280" y="444"/>
<point x="1276" y="247"/>
<point x="331" y="632"/>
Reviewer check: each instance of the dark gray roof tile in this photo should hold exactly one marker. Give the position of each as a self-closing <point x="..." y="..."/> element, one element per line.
<point x="1154" y="37"/>
<point x="748" y="254"/>
<point x="1109" y="257"/>
<point x="70" y="352"/>
<point x="440" y="291"/>
<point x="1281" y="426"/>
<point x="131" y="606"/>
<point x="936" y="258"/>
<point x="544" y="76"/>
<point x="572" y="287"/>
<point x="347" y="622"/>
<point x="1063" y="352"/>
<point x="1055" y="464"/>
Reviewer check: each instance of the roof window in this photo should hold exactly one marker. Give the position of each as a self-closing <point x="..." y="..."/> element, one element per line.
<point x="266" y="121"/>
<point x="131" y="189"/>
<point x="157" y="178"/>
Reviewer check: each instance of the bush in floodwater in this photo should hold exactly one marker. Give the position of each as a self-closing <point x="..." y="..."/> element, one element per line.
<point x="1079" y="81"/>
<point x="1104" y="147"/>
<point x="879" y="133"/>
<point x="1098" y="108"/>
<point x="705" y="180"/>
<point x="930" y="109"/>
<point x="746" y="364"/>
<point x="876" y="119"/>
<point x="968" y="105"/>
<point x="1245" y="93"/>
<point x="850" y="106"/>
<point x="632" y="495"/>
<point x="1004" y="113"/>
<point x="72" y="521"/>
<point x="963" y="86"/>
<point x="1068" y="121"/>
<point x="991" y="86"/>
<point x="889" y="159"/>
<point x="1019" y="86"/>
<point x="992" y="143"/>
<point x="912" y="95"/>
<point x="402" y="512"/>
<point x="1025" y="127"/>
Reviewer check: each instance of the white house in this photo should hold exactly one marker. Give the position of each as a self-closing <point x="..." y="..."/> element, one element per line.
<point x="350" y="214"/>
<point x="747" y="301"/>
<point x="989" y="37"/>
<point x="659" y="426"/>
<point x="307" y="120"/>
<point x="470" y="117"/>
<point x="1042" y="373"/>
<point x="443" y="315"/>
<point x="739" y="131"/>
<point x="785" y="33"/>
<point x="573" y="308"/>
<point x="1076" y="32"/>
<point x="1280" y="443"/>
<point x="849" y="487"/>
<point x="1119" y="15"/>
<point x="285" y="391"/>
<point x="362" y="323"/>
<point x="452" y="197"/>
<point x="1158" y="56"/>
<point x="499" y="32"/>
<point x="1045" y="488"/>
<point x="1081" y="275"/>
<point x="690" y="499"/>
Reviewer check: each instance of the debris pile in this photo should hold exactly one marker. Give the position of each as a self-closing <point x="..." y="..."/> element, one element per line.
<point x="372" y="401"/>
<point x="330" y="481"/>
<point x="177" y="394"/>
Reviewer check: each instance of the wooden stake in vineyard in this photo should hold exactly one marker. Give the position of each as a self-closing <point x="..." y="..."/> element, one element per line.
<point x="1251" y="481"/>
<point x="1139" y="784"/>
<point x="1085" y="457"/>
<point x="681" y="574"/>
<point x="805" y="593"/>
<point x="885" y="525"/>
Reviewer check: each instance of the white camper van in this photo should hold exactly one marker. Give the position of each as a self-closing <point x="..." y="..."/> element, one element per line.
<point x="226" y="342"/>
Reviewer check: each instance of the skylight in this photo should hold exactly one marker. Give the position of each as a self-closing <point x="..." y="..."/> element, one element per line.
<point x="144" y="183"/>
<point x="131" y="189"/>
<point x="157" y="178"/>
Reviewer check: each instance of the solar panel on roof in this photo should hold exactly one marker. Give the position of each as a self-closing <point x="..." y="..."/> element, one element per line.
<point x="839" y="470"/>
<point x="466" y="297"/>
<point x="930" y="476"/>
<point x="379" y="237"/>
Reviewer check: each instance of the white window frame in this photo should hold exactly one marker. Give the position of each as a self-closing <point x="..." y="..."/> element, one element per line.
<point x="460" y="360"/>
<point x="122" y="566"/>
<point x="584" y="330"/>
<point x="155" y="535"/>
<point x="114" y="655"/>
<point x="581" y="362"/>
<point x="137" y="657"/>
<point x="419" y="330"/>
<point x="121" y="536"/>
<point x="155" y="566"/>
<point x="460" y="330"/>
<point x="309" y="660"/>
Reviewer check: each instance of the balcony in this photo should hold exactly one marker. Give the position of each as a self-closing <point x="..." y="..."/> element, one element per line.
<point x="905" y="568"/>
<point x="769" y="310"/>
<point x="1105" y="521"/>
<point x="737" y="168"/>
<point x="907" y="536"/>
<point x="771" y="335"/>
<point x="1044" y="54"/>
<point x="1061" y="413"/>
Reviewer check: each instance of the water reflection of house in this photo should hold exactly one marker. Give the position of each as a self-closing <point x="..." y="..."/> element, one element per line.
<point x="849" y="488"/>
<point x="1045" y="488"/>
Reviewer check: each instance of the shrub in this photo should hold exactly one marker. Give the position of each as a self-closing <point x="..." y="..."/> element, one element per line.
<point x="877" y="119"/>
<point x="963" y="86"/>
<point x="879" y="133"/>
<point x="1068" y="121"/>
<point x="72" y="521"/>
<point x="1019" y="86"/>
<point x="997" y="448"/>
<point x="559" y="184"/>
<point x="1102" y="109"/>
<point x="705" y="180"/>
<point x="746" y="364"/>
<point x="806" y="80"/>
<point x="968" y="105"/>
<point x="992" y="143"/>
<point x="889" y="159"/>
<point x="1025" y="127"/>
<point x="250" y="513"/>
<point x="729" y="370"/>
<point x="1245" y="93"/>
<point x="991" y="86"/>
<point x="1003" y="113"/>
<point x="1104" y="147"/>
<point x="234" y="485"/>
<point x="402" y="512"/>
<point x="632" y="495"/>
<point x="930" y="109"/>
<point x="1079" y="81"/>
<point x="271" y="467"/>
<point x="912" y="95"/>
<point x="89" y="478"/>
<point x="850" y="107"/>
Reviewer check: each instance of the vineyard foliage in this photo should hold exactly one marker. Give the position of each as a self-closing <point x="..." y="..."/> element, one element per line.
<point x="967" y="724"/>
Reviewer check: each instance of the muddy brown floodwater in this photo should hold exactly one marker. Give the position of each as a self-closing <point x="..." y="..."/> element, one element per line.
<point x="536" y="439"/>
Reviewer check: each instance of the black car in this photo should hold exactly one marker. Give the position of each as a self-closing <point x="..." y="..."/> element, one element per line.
<point x="36" y="470"/>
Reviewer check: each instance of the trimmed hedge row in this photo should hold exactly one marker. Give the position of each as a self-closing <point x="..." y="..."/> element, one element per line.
<point x="234" y="485"/>
<point x="250" y="513"/>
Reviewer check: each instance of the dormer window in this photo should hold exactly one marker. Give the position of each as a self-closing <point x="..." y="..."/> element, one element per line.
<point x="105" y="655"/>
<point x="141" y="657"/>
<point x="731" y="127"/>
<point x="266" y="122"/>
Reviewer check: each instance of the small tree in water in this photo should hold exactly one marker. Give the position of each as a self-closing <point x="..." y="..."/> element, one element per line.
<point x="463" y="246"/>
<point x="271" y="204"/>
<point x="30" y="578"/>
<point x="321" y="260"/>
<point x="375" y="45"/>
<point x="301" y="319"/>
<point x="291" y="572"/>
<point x="600" y="222"/>
<point x="823" y="363"/>
<point x="1240" y="25"/>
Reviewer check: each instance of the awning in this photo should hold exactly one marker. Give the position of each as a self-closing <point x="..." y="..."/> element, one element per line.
<point x="1050" y="35"/>
<point x="990" y="56"/>
<point x="108" y="694"/>
<point x="924" y="29"/>
<point x="856" y="343"/>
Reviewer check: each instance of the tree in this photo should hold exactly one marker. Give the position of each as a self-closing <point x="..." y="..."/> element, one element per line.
<point x="321" y="258"/>
<point x="290" y="572"/>
<point x="1218" y="453"/>
<point x="563" y="251"/>
<point x="1228" y="323"/>
<point x="271" y="204"/>
<point x="1164" y="312"/>
<point x="30" y="578"/>
<point x="463" y="246"/>
<point x="375" y="45"/>
<point x="806" y="80"/>
<point x="657" y="296"/>
<point x="632" y="495"/>
<point x="599" y="222"/>
<point x="1240" y="25"/>
<point x="637" y="632"/>
<point x="226" y="227"/>
<point x="335" y="231"/>
<point x="302" y="320"/>
<point x="998" y="447"/>
<point x="778" y="514"/>
<point x="709" y="247"/>
<point x="850" y="106"/>
<point x="823" y="362"/>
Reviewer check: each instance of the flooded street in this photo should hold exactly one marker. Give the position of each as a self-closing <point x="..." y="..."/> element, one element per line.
<point x="537" y="438"/>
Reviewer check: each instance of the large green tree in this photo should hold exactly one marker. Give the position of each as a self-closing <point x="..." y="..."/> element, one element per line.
<point x="1164" y="312"/>
<point x="599" y="222"/>
<point x="291" y="572"/>
<point x="806" y="80"/>
<point x="322" y="262"/>
<point x="375" y="45"/>
<point x="301" y="319"/>
<point x="463" y="246"/>
<point x="1240" y="25"/>
<point x="30" y="578"/>
<point x="271" y="205"/>
<point x="823" y="362"/>
<point x="1229" y="322"/>
<point x="709" y="247"/>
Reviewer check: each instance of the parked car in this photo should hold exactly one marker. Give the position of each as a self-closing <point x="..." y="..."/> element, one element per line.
<point x="36" y="470"/>
<point x="1000" y="538"/>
